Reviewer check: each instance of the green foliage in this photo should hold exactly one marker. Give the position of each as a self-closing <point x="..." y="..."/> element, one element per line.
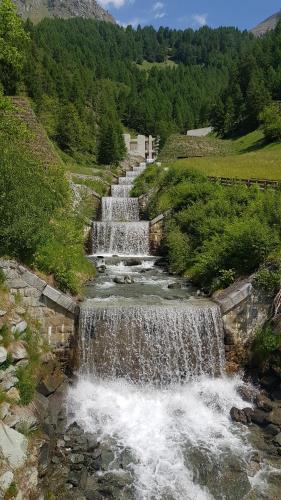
<point x="27" y="382"/>
<point x="6" y="335"/>
<point x="254" y="82"/>
<point x="13" y="44"/>
<point x="225" y="278"/>
<point x="271" y="121"/>
<point x="214" y="233"/>
<point x="11" y="492"/>
<point x="61" y="252"/>
<point x="28" y="375"/>
<point x="178" y="250"/>
<point x="268" y="278"/>
<point x="266" y="342"/>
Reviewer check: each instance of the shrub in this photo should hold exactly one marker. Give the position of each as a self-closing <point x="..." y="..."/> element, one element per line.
<point x="178" y="250"/>
<point x="266" y="342"/>
<point x="268" y="278"/>
<point x="27" y="382"/>
<point x="62" y="255"/>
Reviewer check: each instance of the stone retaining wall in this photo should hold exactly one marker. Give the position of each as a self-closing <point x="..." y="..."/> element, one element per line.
<point x="244" y="310"/>
<point x="56" y="313"/>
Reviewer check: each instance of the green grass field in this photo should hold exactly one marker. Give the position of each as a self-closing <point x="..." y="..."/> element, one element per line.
<point x="248" y="157"/>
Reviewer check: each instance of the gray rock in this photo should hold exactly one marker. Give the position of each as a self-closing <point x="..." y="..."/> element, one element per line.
<point x="17" y="284"/>
<point x="3" y="354"/>
<point x="8" y="382"/>
<point x="2" y="313"/>
<point x="260" y="417"/>
<point x="20" y="327"/>
<point x="77" y="458"/>
<point x="264" y="403"/>
<point x="174" y="286"/>
<point x="272" y="430"/>
<point x="247" y="393"/>
<point x="277" y="439"/>
<point x="13" y="446"/>
<point x="241" y="416"/>
<point x="275" y="417"/>
<point x="18" y="351"/>
<point x="6" y="480"/>
<point x="4" y="409"/>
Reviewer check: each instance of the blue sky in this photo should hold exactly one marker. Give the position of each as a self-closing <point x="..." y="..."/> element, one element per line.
<point x="192" y="13"/>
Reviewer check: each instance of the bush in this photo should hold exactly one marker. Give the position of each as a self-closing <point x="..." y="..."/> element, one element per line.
<point x="266" y="342"/>
<point x="178" y="250"/>
<point x="271" y="121"/>
<point x="62" y="255"/>
<point x="268" y="278"/>
<point x="27" y="382"/>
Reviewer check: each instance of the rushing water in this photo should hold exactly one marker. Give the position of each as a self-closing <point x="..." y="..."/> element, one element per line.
<point x="120" y="209"/>
<point x="152" y="382"/>
<point x="121" y="238"/>
<point x="161" y="343"/>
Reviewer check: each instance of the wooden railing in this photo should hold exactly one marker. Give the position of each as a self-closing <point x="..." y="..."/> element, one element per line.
<point x="262" y="183"/>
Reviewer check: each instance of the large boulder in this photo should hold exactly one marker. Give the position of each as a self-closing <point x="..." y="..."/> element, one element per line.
<point x="3" y="354"/>
<point x="20" y="327"/>
<point x="18" y="351"/>
<point x="13" y="446"/>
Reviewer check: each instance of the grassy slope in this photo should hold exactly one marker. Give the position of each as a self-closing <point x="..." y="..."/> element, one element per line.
<point x="248" y="157"/>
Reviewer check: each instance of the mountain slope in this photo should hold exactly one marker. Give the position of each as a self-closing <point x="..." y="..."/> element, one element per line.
<point x="38" y="9"/>
<point x="267" y="25"/>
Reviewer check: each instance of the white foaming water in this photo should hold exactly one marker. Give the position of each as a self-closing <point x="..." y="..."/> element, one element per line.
<point x="121" y="191"/>
<point x="126" y="181"/>
<point x="173" y="435"/>
<point x="120" y="209"/>
<point x="121" y="238"/>
<point x="132" y="173"/>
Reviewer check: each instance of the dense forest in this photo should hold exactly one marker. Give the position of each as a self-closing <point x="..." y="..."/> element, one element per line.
<point x="253" y="92"/>
<point x="78" y="72"/>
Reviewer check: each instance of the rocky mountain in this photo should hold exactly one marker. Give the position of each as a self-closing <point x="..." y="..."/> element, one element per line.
<point x="267" y="25"/>
<point x="38" y="9"/>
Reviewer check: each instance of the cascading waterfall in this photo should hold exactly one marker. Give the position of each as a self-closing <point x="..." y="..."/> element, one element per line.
<point x="120" y="231"/>
<point x="120" y="209"/>
<point x="121" y="238"/>
<point x="152" y="383"/>
<point x="162" y="343"/>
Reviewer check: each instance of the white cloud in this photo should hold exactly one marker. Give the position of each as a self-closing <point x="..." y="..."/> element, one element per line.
<point x="158" y="6"/>
<point x="200" y="19"/>
<point x="134" y="22"/>
<point x="157" y="9"/>
<point x="159" y="15"/>
<point x="115" y="3"/>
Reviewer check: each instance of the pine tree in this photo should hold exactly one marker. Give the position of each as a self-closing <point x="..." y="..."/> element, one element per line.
<point x="13" y="44"/>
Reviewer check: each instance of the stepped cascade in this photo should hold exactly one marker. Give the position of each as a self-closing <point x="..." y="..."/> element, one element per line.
<point x="151" y="384"/>
<point x="163" y="344"/>
<point x="120" y="231"/>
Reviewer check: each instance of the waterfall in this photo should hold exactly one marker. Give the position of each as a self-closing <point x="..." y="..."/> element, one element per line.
<point x="120" y="231"/>
<point x="121" y="238"/>
<point x="125" y="181"/>
<point x="151" y="385"/>
<point x="121" y="191"/>
<point x="120" y="209"/>
<point x="161" y="343"/>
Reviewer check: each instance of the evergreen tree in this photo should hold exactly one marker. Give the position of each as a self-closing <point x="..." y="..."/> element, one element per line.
<point x="13" y="43"/>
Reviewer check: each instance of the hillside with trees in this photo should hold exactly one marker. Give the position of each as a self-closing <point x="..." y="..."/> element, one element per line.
<point x="252" y="96"/>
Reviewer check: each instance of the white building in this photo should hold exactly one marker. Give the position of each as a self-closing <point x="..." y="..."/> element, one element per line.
<point x="199" y="132"/>
<point x="146" y="147"/>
